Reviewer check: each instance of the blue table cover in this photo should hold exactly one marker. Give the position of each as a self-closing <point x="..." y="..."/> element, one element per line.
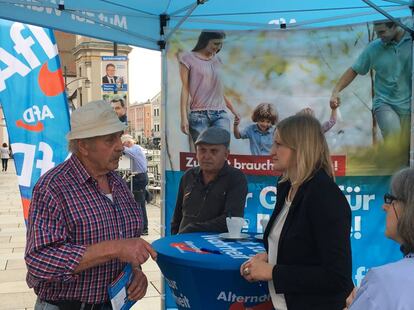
<point x="202" y="271"/>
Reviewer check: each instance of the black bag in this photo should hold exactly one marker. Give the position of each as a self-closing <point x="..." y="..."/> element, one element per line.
<point x="148" y="196"/>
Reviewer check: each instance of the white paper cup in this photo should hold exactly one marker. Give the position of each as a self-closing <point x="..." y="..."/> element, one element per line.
<point x="234" y="226"/>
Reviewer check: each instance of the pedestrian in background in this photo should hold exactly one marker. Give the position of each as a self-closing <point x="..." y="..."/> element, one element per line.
<point x="5" y="156"/>
<point x="139" y="174"/>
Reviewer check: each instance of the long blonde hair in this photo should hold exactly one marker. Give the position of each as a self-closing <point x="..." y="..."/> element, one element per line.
<point x="303" y="134"/>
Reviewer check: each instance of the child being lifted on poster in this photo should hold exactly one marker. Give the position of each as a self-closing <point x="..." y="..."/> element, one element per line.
<point x="260" y="133"/>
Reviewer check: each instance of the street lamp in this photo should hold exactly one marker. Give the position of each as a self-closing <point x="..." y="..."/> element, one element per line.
<point x="87" y="81"/>
<point x="74" y="95"/>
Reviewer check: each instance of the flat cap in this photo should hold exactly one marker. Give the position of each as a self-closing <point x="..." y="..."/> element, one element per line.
<point x="214" y="135"/>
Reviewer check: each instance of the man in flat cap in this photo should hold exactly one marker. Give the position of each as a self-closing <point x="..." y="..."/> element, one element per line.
<point x="84" y="224"/>
<point x="209" y="193"/>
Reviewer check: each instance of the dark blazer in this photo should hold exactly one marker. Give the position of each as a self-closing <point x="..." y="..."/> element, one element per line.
<point x="105" y="79"/>
<point x="314" y="263"/>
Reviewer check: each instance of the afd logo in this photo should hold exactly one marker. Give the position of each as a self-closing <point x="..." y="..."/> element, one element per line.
<point x="20" y="58"/>
<point x="188" y="246"/>
<point x="29" y="162"/>
<point x="33" y="117"/>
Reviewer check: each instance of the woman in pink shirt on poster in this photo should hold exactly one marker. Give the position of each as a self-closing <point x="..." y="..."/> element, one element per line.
<point x="203" y="103"/>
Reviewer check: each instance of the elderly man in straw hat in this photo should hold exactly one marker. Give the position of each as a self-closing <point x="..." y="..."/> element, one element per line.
<point x="139" y="174"/>
<point x="84" y="223"/>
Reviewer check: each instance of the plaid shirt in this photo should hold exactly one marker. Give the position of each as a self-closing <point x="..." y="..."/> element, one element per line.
<point x="68" y="212"/>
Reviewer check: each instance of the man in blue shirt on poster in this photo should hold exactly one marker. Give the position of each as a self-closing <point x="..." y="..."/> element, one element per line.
<point x="390" y="56"/>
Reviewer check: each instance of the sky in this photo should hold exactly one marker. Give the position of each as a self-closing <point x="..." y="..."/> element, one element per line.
<point x="144" y="74"/>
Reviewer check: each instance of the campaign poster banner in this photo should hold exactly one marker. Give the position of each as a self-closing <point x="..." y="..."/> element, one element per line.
<point x="33" y="98"/>
<point x="296" y="71"/>
<point x="114" y="71"/>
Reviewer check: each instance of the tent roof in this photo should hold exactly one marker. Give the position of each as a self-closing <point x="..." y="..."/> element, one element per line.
<point x="137" y="22"/>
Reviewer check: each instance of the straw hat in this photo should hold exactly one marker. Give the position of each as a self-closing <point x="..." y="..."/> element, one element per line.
<point x="96" y="118"/>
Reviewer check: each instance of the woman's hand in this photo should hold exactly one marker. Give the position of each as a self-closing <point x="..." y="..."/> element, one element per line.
<point x="350" y="298"/>
<point x="184" y="126"/>
<point x="260" y="257"/>
<point x="257" y="268"/>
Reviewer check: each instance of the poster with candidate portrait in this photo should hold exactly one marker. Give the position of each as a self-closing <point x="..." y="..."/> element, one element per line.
<point x="296" y="71"/>
<point x="114" y="71"/>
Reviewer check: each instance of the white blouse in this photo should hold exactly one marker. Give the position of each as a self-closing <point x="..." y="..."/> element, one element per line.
<point x="278" y="300"/>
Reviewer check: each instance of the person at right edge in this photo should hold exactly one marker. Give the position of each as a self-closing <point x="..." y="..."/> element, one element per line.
<point x="307" y="263"/>
<point x="391" y="286"/>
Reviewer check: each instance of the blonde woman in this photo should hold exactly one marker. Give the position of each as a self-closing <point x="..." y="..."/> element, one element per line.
<point x="308" y="254"/>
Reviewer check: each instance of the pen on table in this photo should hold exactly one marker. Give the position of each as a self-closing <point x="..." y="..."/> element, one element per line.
<point x="210" y="251"/>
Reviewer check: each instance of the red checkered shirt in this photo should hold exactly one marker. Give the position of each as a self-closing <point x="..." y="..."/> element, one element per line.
<point x="68" y="212"/>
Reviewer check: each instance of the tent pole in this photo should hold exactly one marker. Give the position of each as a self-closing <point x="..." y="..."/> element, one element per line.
<point x="163" y="158"/>
<point x="399" y="2"/>
<point x="412" y="99"/>
<point x="389" y="16"/>
<point x="185" y="8"/>
<point x="189" y="12"/>
<point x="262" y="26"/>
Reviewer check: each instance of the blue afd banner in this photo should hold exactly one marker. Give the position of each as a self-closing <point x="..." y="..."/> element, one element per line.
<point x="32" y="95"/>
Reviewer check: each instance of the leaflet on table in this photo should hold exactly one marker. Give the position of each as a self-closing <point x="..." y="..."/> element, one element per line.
<point x="117" y="290"/>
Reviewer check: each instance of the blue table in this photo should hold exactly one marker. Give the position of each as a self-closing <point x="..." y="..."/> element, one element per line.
<point x="202" y="272"/>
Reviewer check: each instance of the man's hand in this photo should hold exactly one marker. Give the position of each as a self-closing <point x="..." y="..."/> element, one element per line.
<point x="139" y="284"/>
<point x="135" y="251"/>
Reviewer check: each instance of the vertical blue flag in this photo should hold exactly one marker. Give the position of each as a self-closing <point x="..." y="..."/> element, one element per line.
<point x="33" y="98"/>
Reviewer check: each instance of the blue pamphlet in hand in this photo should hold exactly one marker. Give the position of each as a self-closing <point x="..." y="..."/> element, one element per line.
<point x="117" y="290"/>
